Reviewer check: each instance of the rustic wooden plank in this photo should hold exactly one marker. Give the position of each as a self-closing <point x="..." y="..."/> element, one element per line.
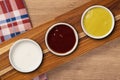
<point x="51" y="61"/>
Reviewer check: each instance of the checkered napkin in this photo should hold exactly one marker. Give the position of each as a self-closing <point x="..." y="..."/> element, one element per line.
<point x="41" y="77"/>
<point x="14" y="20"/>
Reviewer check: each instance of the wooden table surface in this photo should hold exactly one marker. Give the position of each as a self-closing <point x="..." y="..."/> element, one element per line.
<point x="86" y="67"/>
<point x="42" y="11"/>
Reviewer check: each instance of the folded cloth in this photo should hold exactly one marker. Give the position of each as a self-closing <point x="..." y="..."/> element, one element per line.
<point x="14" y="20"/>
<point x="41" y="77"/>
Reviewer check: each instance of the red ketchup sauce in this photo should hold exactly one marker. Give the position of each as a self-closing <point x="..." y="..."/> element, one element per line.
<point x="61" y="38"/>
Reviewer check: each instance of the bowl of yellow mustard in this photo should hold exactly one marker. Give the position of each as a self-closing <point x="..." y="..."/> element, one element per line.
<point x="97" y="22"/>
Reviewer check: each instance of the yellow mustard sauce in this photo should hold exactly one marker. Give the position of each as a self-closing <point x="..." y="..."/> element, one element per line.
<point x="97" y="21"/>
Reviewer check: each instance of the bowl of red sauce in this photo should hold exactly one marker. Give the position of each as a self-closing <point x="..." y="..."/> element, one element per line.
<point x="61" y="39"/>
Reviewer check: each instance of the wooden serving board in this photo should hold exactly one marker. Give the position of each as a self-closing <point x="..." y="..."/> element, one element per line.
<point x="51" y="61"/>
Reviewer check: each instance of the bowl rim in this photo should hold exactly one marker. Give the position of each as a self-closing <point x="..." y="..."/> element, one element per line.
<point x="68" y="52"/>
<point x="12" y="48"/>
<point x="97" y="37"/>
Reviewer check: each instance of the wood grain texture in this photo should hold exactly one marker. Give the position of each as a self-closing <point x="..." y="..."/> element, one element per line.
<point x="42" y="11"/>
<point x="51" y="61"/>
<point x="102" y="63"/>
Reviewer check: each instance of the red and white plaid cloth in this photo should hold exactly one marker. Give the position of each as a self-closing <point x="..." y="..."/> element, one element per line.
<point x="14" y="20"/>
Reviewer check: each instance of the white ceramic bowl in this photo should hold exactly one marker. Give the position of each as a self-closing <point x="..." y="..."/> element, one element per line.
<point x="97" y="37"/>
<point x="25" y="55"/>
<point x="66" y="53"/>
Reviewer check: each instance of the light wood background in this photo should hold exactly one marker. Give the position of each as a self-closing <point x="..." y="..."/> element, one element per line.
<point x="102" y="63"/>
